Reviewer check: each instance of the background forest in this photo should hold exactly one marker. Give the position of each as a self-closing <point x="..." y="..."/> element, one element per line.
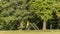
<point x="29" y="14"/>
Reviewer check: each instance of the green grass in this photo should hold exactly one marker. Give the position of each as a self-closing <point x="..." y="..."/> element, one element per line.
<point x="31" y="32"/>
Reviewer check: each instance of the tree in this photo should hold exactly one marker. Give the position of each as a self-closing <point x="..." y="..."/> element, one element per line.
<point x="13" y="11"/>
<point x="43" y="8"/>
<point x="58" y="12"/>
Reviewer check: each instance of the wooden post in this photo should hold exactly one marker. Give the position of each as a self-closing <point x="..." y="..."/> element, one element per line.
<point x="51" y="27"/>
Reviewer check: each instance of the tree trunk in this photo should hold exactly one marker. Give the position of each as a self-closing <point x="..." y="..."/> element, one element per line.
<point x="27" y="25"/>
<point x="44" y="24"/>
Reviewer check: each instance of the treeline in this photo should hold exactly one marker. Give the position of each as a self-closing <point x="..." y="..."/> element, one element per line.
<point x="29" y="14"/>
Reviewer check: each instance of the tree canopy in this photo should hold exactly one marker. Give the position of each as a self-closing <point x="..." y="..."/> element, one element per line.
<point x="15" y="14"/>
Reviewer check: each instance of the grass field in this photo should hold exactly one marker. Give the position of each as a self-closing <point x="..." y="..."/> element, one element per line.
<point x="31" y="32"/>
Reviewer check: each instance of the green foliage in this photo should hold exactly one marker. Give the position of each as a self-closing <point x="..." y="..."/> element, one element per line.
<point x="43" y="8"/>
<point x="12" y="12"/>
<point x="15" y="12"/>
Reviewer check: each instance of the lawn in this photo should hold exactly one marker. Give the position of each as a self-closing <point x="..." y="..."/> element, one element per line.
<point x="30" y="32"/>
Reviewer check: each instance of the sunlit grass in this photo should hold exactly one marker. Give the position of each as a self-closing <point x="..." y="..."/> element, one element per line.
<point x="31" y="32"/>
